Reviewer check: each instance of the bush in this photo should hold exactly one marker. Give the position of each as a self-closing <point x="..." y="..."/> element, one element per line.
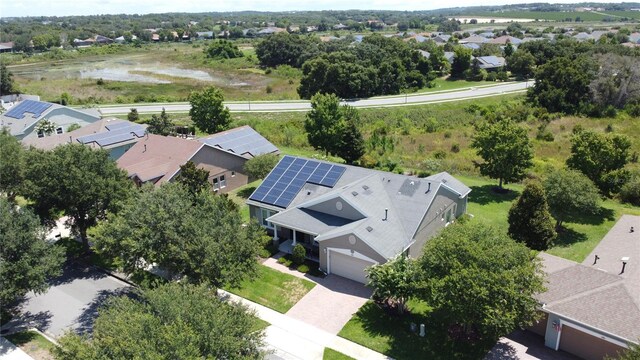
<point x="298" y="255"/>
<point x="264" y="253"/>
<point x="269" y="89"/>
<point x="284" y="261"/>
<point x="100" y="82"/>
<point x="630" y="192"/>
<point x="492" y="76"/>
<point x="303" y="268"/>
<point x="455" y="148"/>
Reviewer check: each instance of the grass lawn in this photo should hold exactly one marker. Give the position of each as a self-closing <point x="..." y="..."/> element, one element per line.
<point x="273" y="289"/>
<point x="240" y="195"/>
<point x="578" y="239"/>
<point x="34" y="344"/>
<point x="391" y="335"/>
<point x="330" y="354"/>
<point x="259" y="324"/>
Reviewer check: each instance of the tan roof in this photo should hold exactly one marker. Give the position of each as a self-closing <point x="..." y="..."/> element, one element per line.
<point x="600" y="295"/>
<point x="157" y="158"/>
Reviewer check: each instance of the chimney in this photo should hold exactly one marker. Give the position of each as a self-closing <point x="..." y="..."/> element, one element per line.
<point x="386" y="214"/>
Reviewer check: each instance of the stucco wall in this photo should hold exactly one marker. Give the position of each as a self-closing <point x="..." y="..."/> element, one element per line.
<point x="218" y="163"/>
<point x="342" y="242"/>
<point x="433" y="222"/>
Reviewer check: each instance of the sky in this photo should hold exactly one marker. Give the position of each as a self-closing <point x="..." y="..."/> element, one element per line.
<point x="9" y="8"/>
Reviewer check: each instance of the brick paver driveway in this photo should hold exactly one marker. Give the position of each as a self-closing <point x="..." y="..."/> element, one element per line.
<point x="331" y="303"/>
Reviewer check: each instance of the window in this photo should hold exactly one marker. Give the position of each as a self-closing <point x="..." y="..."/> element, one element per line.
<point x="216" y="184"/>
<point x="40" y="133"/>
<point x="223" y="182"/>
<point x="264" y="214"/>
<point x="59" y="130"/>
<point x="233" y="174"/>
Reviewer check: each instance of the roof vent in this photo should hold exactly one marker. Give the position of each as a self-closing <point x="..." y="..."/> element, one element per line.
<point x="369" y="229"/>
<point x="354" y="193"/>
<point x="365" y="187"/>
<point x="428" y="187"/>
<point x="413" y="183"/>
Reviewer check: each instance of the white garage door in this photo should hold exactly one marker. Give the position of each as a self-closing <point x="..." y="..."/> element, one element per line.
<point x="348" y="266"/>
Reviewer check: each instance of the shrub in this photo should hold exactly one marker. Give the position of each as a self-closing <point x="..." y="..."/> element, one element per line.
<point x="267" y="71"/>
<point x="284" y="261"/>
<point x="303" y="268"/>
<point x="298" y="255"/>
<point x="630" y="192"/>
<point x="439" y="154"/>
<point x="269" y="89"/>
<point x="100" y="82"/>
<point x="264" y="253"/>
<point x="455" y="148"/>
<point x="492" y="76"/>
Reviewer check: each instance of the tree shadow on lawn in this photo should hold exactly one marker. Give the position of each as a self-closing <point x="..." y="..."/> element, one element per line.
<point x="246" y="192"/>
<point x="567" y="237"/>
<point x="405" y="344"/>
<point x="600" y="216"/>
<point x="486" y="194"/>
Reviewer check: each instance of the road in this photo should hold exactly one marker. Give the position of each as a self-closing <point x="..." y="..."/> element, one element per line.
<point x="285" y="106"/>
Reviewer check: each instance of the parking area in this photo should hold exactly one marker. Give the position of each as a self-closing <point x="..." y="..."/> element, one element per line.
<point x="71" y="303"/>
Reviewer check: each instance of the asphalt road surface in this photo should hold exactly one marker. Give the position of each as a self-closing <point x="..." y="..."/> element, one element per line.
<point x="302" y="105"/>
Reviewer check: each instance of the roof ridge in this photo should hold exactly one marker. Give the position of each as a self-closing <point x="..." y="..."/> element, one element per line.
<point x="599" y="288"/>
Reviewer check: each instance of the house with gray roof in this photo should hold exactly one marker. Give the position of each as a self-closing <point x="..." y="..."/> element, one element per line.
<point x="349" y="218"/>
<point x="113" y="135"/>
<point x="491" y="62"/>
<point x="592" y="309"/>
<point x="441" y="39"/>
<point x="21" y="119"/>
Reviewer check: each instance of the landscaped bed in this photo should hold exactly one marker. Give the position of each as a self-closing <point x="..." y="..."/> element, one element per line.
<point x="273" y="289"/>
<point x="34" y="344"/>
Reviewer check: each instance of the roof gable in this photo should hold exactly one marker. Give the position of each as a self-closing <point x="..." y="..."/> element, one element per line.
<point x="243" y="141"/>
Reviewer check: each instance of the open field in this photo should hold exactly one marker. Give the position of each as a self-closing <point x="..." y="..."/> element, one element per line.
<point x="556" y="15"/>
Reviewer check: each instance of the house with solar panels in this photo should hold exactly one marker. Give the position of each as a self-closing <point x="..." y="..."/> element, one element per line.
<point x="22" y="118"/>
<point x="113" y="135"/>
<point x="349" y="218"/>
<point x="157" y="159"/>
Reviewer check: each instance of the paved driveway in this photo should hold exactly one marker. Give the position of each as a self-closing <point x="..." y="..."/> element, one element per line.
<point x="70" y="303"/>
<point x="525" y="345"/>
<point x="331" y="303"/>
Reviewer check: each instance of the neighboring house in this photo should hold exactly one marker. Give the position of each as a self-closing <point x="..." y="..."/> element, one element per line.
<point x="583" y="36"/>
<point x="505" y="39"/>
<point x="442" y="39"/>
<point x="270" y="30"/>
<point x="487" y="34"/>
<point x="449" y="55"/>
<point x="157" y="159"/>
<point x="6" y="47"/>
<point x="340" y="27"/>
<point x="21" y="119"/>
<point x="474" y="39"/>
<point x="593" y="309"/>
<point x="122" y="40"/>
<point x="491" y="62"/>
<point x="426" y="54"/>
<point x="103" y="40"/>
<point x="98" y="39"/>
<point x="203" y="35"/>
<point x="349" y="218"/>
<point x="633" y="38"/>
<point x="472" y="46"/>
<point x="114" y="135"/>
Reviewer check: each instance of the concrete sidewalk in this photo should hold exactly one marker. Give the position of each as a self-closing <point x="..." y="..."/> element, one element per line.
<point x="293" y="339"/>
<point x="8" y="351"/>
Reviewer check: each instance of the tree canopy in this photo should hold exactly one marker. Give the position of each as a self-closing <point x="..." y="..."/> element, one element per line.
<point x="199" y="237"/>
<point x="260" y="166"/>
<point x="208" y="111"/>
<point x="530" y="221"/>
<point x="570" y="194"/>
<point x="505" y="148"/>
<point x="6" y="80"/>
<point x="27" y="261"/>
<point x="482" y="280"/>
<point x="172" y="321"/>
<point x="12" y="164"/>
<point x="193" y="178"/>
<point x="160" y="125"/>
<point x="394" y="282"/>
<point x="81" y="182"/>
<point x="222" y="49"/>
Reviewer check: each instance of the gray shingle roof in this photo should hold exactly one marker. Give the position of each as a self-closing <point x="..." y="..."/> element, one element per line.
<point x="242" y="141"/>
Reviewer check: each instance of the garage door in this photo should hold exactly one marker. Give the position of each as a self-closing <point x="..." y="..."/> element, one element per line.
<point x="348" y="266"/>
<point x="586" y="346"/>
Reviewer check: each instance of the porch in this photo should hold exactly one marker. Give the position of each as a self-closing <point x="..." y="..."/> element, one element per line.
<point x="290" y="238"/>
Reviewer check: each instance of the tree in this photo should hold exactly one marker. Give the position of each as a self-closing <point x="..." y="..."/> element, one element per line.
<point x="323" y="122"/>
<point x="508" y="50"/>
<point x="77" y="180"/>
<point x="569" y="194"/>
<point x="172" y="321"/>
<point x="193" y="178"/>
<point x="298" y="254"/>
<point x="208" y="111"/>
<point x="461" y="62"/>
<point x="599" y="156"/>
<point x="133" y="115"/>
<point x="223" y="49"/>
<point x="259" y="166"/>
<point x="521" y="64"/>
<point x="504" y="146"/>
<point x="529" y="219"/>
<point x="27" y="261"/>
<point x="562" y="85"/>
<point x="201" y="237"/>
<point x="6" y="80"/>
<point x="286" y="49"/>
<point x="482" y="280"/>
<point x="351" y="147"/>
<point x="617" y="82"/>
<point x="12" y="164"/>
<point x="394" y="282"/>
<point x="160" y="125"/>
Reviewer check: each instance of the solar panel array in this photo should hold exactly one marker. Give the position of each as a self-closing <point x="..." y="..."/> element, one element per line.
<point x="284" y="182"/>
<point x="28" y="106"/>
<point x="118" y="132"/>
<point x="241" y="141"/>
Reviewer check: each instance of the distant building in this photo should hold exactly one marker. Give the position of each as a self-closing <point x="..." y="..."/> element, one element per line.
<point x="6" y="47"/>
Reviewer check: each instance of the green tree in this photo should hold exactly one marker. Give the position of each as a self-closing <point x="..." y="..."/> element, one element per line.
<point x="324" y="122"/>
<point x="200" y="237"/>
<point x="570" y="194"/>
<point x="27" y="261"/>
<point x="77" y="180"/>
<point x="193" y="178"/>
<point x="599" y="156"/>
<point x="223" y="49"/>
<point x="133" y="115"/>
<point x="172" y="321"/>
<point x="508" y="50"/>
<point x="6" y="80"/>
<point x="530" y="221"/>
<point x="160" y="125"/>
<point x="12" y="164"/>
<point x="461" y="62"/>
<point x="394" y="282"/>
<point x="482" y="280"/>
<point x="298" y="254"/>
<point x="260" y="166"/>
<point x="562" y="85"/>
<point x="208" y="111"/>
<point x="617" y="82"/>
<point x="351" y="147"/>
<point x="504" y="146"/>
<point x="286" y="49"/>
<point x="521" y="64"/>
